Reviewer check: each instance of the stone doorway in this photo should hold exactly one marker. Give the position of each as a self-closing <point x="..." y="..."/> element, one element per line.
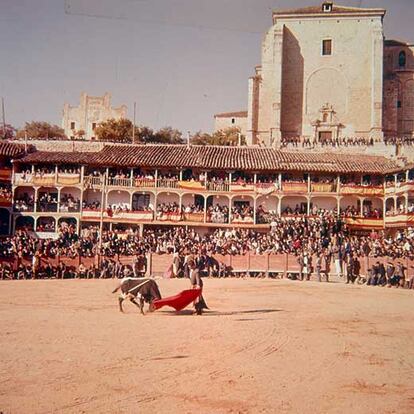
<point x="325" y="136"/>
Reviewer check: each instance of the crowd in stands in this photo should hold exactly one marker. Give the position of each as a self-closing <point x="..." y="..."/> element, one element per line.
<point x="324" y="238"/>
<point x="308" y="142"/>
<point x="68" y="203"/>
<point x="24" y="202"/>
<point x="5" y="192"/>
<point x="406" y="140"/>
<point x="217" y="214"/>
<point x="69" y="170"/>
<point x="47" y="202"/>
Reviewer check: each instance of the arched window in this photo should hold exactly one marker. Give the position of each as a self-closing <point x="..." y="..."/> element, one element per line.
<point x="402" y="59"/>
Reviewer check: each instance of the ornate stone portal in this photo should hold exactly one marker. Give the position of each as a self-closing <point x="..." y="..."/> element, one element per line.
<point x="327" y="127"/>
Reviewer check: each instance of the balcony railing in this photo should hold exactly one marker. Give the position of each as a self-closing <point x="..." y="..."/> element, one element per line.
<point x="68" y="179"/>
<point x="194" y="217"/>
<point x="266" y="188"/>
<point x="323" y="187"/>
<point x="144" y="182"/>
<point x="399" y="219"/>
<point x="23" y="208"/>
<point x="218" y="186"/>
<point x="217" y="218"/>
<point x="46" y="207"/>
<point x="294" y="187"/>
<point x="65" y="208"/>
<point x="364" y="222"/>
<point x="369" y="190"/>
<point x="242" y="220"/>
<point x="91" y="181"/>
<point x="119" y="182"/>
<point x="23" y="178"/>
<point x="168" y="217"/>
<point x="242" y="187"/>
<point x="44" y="179"/>
<point x="167" y="183"/>
<point x="5" y="174"/>
<point x="5" y="201"/>
<point x="192" y="185"/>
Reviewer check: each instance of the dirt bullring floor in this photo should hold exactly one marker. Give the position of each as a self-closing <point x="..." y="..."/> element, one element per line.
<point x="266" y="346"/>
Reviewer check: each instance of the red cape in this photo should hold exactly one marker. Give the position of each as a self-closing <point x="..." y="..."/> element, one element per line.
<point x="178" y="302"/>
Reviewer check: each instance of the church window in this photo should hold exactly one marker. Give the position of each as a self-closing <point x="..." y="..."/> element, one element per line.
<point x="402" y="59"/>
<point x="72" y="125"/>
<point x="326" y="47"/>
<point x="233" y="121"/>
<point x="398" y="104"/>
<point x="93" y="126"/>
<point x="327" y="7"/>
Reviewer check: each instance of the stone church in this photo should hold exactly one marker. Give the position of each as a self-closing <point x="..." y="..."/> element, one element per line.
<point x="328" y="72"/>
<point x="91" y="111"/>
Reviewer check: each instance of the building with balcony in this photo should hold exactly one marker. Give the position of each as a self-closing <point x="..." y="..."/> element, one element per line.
<point x="8" y="151"/>
<point x="207" y="187"/>
<point x="91" y="111"/>
<point x="327" y="73"/>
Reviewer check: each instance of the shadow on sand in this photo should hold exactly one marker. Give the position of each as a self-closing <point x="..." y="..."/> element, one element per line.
<point x="217" y="313"/>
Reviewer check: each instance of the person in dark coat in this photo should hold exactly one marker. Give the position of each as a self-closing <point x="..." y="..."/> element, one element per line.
<point x="197" y="283"/>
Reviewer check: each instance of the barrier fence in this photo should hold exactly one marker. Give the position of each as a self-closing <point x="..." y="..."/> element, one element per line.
<point x="283" y="264"/>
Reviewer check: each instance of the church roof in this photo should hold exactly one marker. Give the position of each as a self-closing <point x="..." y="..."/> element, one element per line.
<point x="218" y="158"/>
<point x="393" y="42"/>
<point x="239" y="114"/>
<point x="312" y="10"/>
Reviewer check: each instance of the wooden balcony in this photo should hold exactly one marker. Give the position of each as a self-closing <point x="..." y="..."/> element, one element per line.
<point x="405" y="187"/>
<point x="193" y="217"/>
<point x="167" y="183"/>
<point x="93" y="182"/>
<point x="119" y="182"/>
<point x="130" y="216"/>
<point x="5" y="174"/>
<point x="294" y="187"/>
<point x="400" y="220"/>
<point x="364" y="223"/>
<point x="68" y="179"/>
<point x="323" y="188"/>
<point x="5" y="201"/>
<point x="23" y="179"/>
<point x="44" y="180"/>
<point x="145" y="182"/>
<point x="192" y="185"/>
<point x="360" y="190"/>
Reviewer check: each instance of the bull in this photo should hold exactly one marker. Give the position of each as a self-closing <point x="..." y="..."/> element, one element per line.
<point x="145" y="289"/>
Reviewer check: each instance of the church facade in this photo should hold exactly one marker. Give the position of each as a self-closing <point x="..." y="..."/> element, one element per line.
<point x="327" y="72"/>
<point x="91" y="111"/>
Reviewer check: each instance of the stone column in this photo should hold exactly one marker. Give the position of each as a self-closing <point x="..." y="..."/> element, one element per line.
<point x="253" y="96"/>
<point x="275" y="124"/>
<point x="377" y="80"/>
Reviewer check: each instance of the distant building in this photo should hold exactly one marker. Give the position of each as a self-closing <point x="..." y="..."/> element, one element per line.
<point x="87" y="116"/>
<point x="326" y="72"/>
<point x="231" y="119"/>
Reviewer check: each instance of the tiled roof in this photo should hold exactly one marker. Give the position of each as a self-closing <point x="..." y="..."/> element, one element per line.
<point x="9" y="149"/>
<point x="240" y="114"/>
<point x="335" y="10"/>
<point x="393" y="42"/>
<point x="218" y="158"/>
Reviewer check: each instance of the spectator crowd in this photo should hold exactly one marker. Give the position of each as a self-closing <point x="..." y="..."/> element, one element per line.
<point x="325" y="237"/>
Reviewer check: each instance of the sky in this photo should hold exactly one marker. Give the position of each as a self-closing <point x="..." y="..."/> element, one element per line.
<point x="181" y="61"/>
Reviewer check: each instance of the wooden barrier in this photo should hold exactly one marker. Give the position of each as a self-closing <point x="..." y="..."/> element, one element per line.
<point x="248" y="263"/>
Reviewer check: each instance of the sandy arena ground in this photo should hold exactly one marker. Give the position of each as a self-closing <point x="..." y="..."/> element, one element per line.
<point x="266" y="346"/>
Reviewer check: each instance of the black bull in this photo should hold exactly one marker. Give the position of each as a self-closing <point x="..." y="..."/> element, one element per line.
<point x="145" y="289"/>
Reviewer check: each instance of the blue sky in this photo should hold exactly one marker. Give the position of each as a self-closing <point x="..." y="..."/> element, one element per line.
<point x="180" y="60"/>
